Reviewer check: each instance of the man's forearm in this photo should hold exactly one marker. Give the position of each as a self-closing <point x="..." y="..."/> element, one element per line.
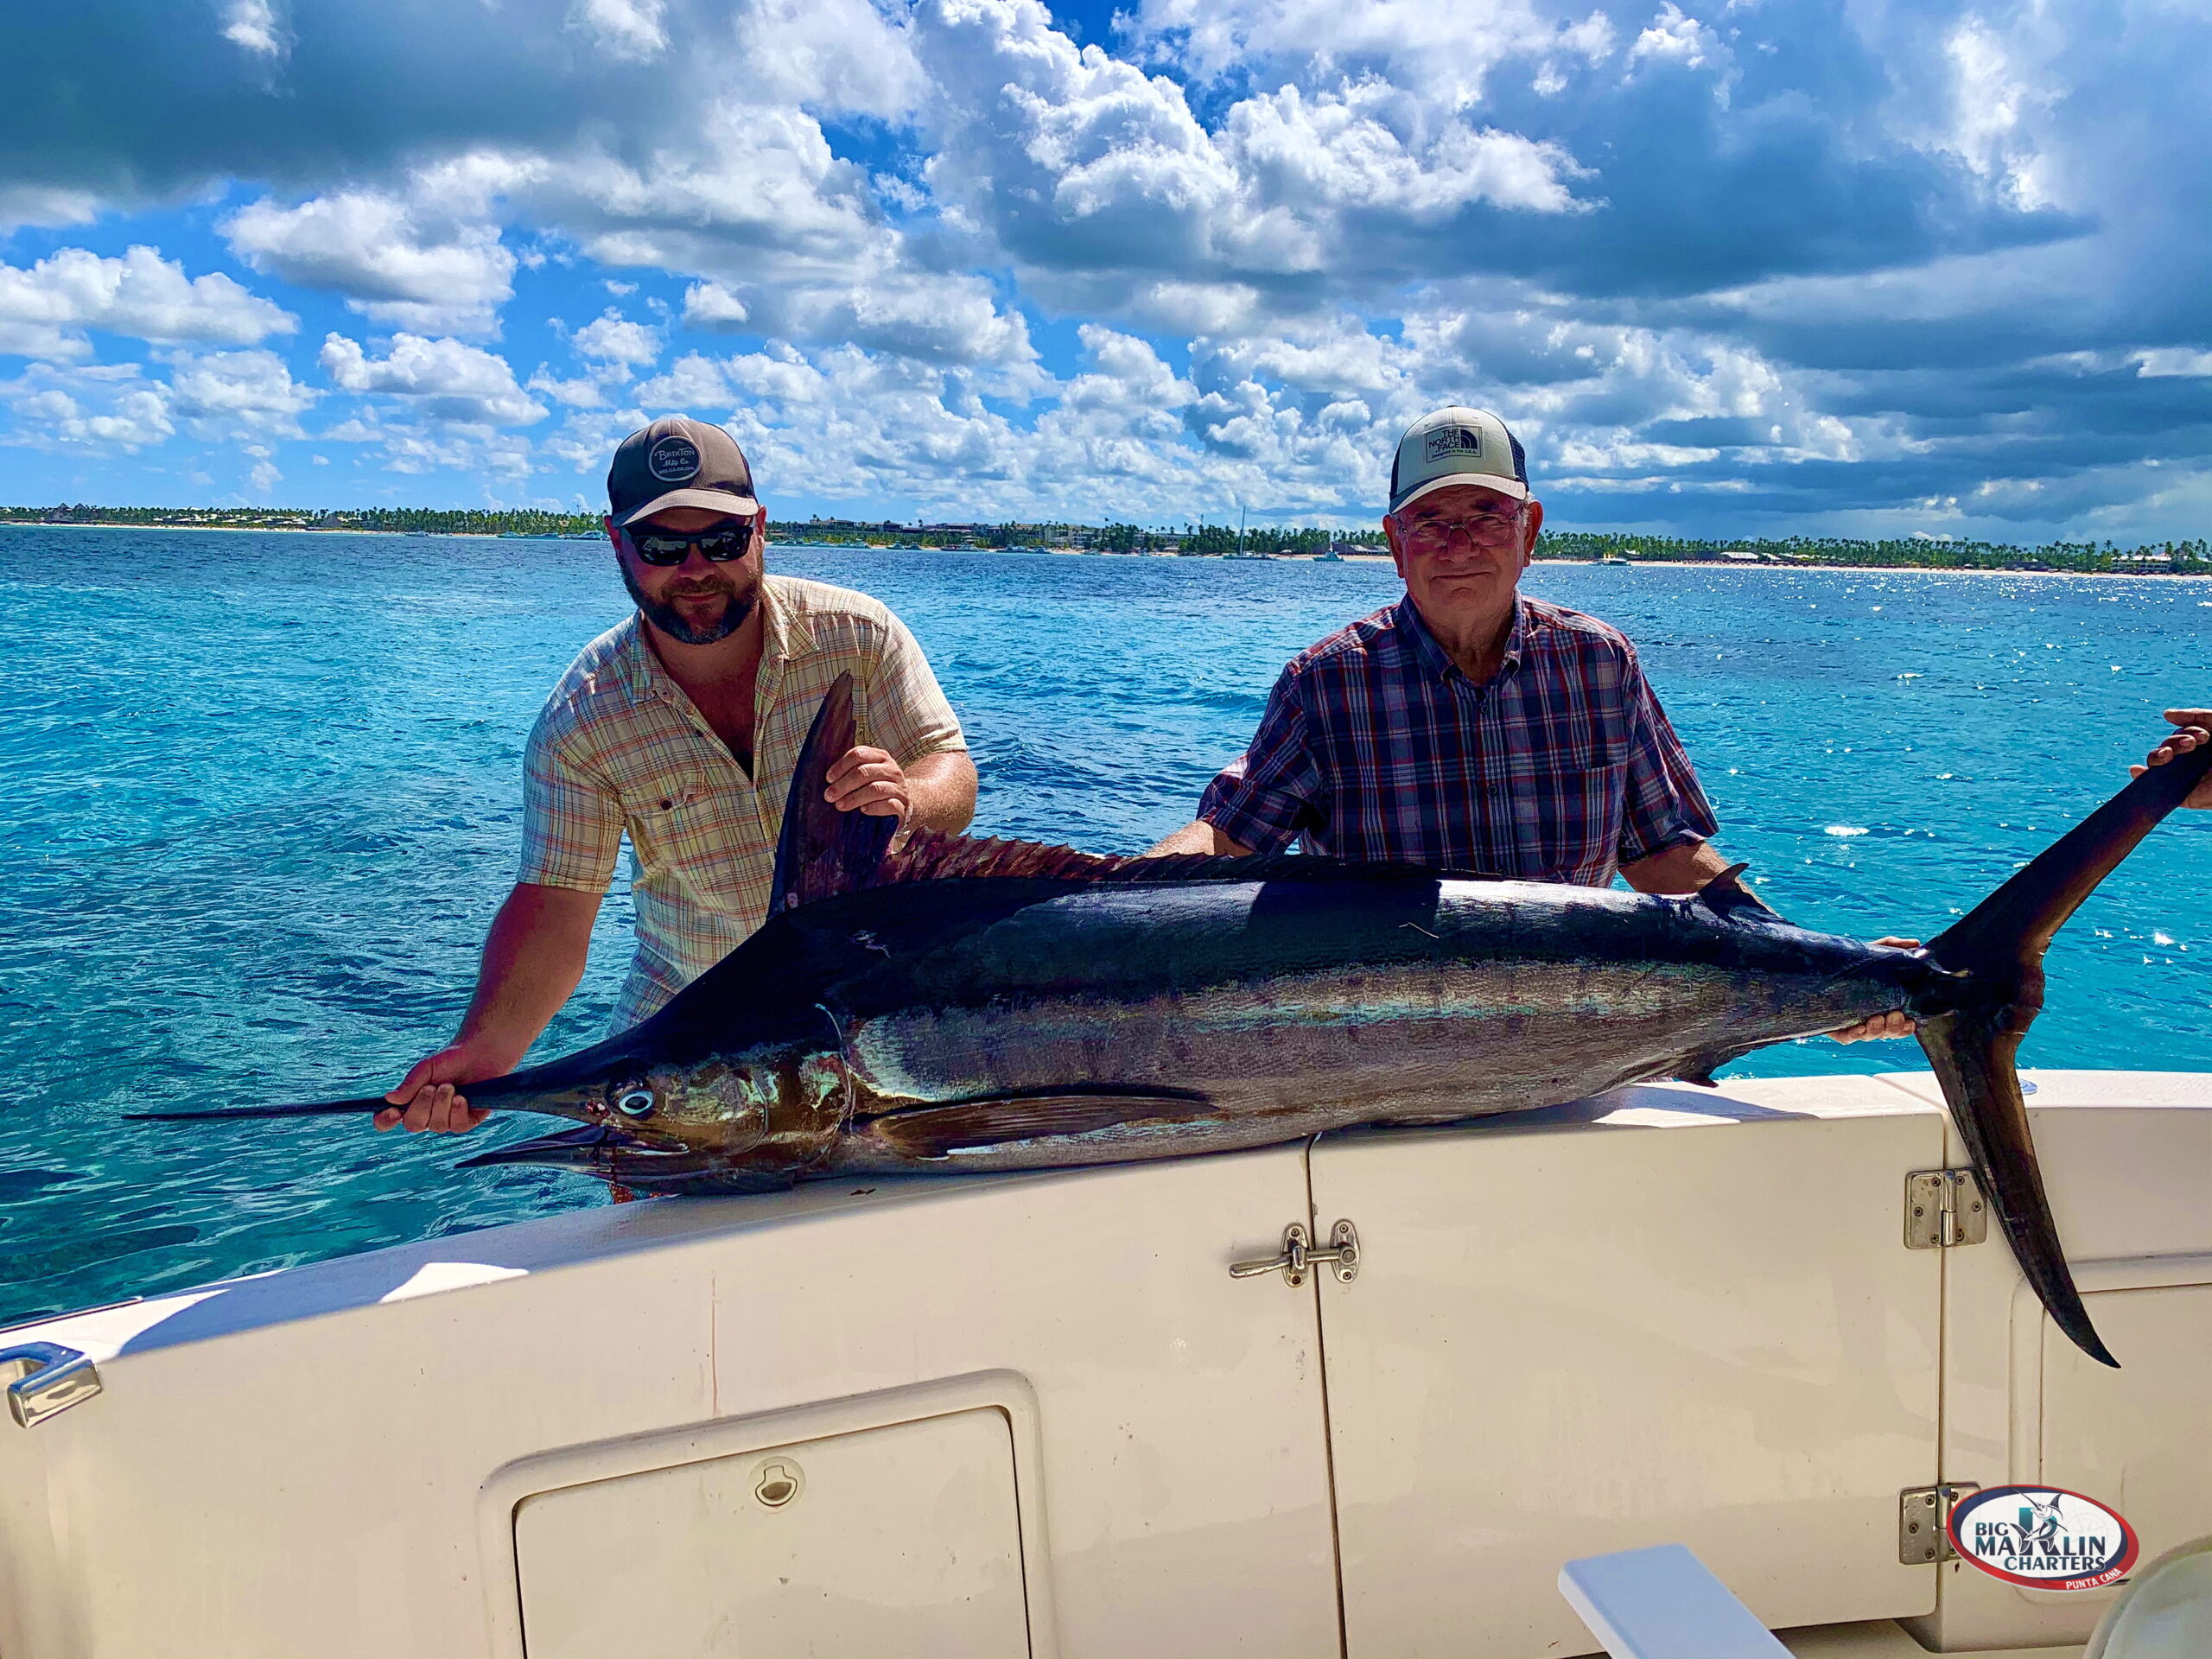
<point x="1197" y="837"/>
<point x="533" y="960"/>
<point x="941" y="788"/>
<point x="1685" y="868"/>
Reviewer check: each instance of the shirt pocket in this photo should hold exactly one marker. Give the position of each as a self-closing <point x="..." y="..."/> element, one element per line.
<point x="1593" y="796"/>
<point x="1559" y="756"/>
<point x="670" y="820"/>
<point x="1564" y="793"/>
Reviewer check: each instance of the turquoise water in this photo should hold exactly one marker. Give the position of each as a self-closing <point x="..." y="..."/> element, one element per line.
<point x="261" y="799"/>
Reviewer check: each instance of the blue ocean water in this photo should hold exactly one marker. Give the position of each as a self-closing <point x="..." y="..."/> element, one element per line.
<point x="261" y="795"/>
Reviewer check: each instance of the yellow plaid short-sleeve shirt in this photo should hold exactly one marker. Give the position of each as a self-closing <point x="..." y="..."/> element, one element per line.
<point x="621" y="749"/>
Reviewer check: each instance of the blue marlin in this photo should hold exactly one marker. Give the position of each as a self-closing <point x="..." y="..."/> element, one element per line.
<point x="955" y="1005"/>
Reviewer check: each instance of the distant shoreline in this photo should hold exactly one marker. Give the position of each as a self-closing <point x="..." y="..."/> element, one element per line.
<point x="1155" y="553"/>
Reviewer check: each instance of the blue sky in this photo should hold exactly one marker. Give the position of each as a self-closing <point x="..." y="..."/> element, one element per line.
<point x="1728" y="266"/>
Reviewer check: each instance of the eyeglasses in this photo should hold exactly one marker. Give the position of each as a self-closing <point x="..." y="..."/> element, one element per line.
<point x="1432" y="535"/>
<point x="670" y="547"/>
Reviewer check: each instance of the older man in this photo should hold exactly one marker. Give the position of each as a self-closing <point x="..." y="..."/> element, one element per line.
<point x="1468" y="726"/>
<point x="680" y="728"/>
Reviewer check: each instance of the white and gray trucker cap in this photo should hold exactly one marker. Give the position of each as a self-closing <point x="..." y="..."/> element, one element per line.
<point x="1458" y="446"/>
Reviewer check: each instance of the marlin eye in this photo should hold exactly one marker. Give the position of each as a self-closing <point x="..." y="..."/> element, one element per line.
<point x="638" y="1103"/>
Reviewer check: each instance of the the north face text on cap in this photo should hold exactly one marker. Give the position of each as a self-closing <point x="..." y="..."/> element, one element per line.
<point x="673" y="459"/>
<point x="1450" y="438"/>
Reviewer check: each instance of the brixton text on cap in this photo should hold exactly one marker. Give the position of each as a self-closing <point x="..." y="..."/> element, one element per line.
<point x="678" y="462"/>
<point x="1458" y="446"/>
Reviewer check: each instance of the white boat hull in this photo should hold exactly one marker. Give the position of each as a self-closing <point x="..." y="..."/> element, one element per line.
<point x="1035" y="1415"/>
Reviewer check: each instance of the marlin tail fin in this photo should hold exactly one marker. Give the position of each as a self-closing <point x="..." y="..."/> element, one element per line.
<point x="1998" y="949"/>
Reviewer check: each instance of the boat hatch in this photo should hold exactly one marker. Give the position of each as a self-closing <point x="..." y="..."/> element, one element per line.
<point x="903" y="1540"/>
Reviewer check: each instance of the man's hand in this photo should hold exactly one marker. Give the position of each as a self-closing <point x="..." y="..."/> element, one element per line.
<point x="2195" y="730"/>
<point x="869" y="781"/>
<point x="426" y="1092"/>
<point x="1895" y="1023"/>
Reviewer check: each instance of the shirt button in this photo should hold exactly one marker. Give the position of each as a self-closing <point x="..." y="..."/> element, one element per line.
<point x="667" y="803"/>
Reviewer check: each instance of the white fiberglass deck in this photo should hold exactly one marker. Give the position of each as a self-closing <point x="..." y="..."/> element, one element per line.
<point x="1035" y="1415"/>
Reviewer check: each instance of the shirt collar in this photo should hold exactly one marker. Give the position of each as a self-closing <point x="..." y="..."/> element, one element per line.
<point x="1436" y="660"/>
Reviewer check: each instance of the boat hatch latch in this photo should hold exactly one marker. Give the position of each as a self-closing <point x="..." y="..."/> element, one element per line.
<point x="44" y="1377"/>
<point x="1924" y="1521"/>
<point x="1943" y="1208"/>
<point x="1299" y="1257"/>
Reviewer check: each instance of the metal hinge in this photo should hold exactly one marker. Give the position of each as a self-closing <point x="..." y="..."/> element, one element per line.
<point x="1299" y="1255"/>
<point x="1943" y="1207"/>
<point x="1923" y="1520"/>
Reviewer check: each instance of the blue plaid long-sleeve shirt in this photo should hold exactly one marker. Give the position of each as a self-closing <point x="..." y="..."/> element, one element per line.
<point x="1374" y="745"/>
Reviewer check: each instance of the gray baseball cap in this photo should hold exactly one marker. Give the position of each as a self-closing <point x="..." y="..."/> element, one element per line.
<point x="678" y="462"/>
<point x="1458" y="446"/>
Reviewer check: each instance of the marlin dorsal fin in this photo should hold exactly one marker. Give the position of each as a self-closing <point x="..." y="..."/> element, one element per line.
<point x="822" y="851"/>
<point x="928" y="856"/>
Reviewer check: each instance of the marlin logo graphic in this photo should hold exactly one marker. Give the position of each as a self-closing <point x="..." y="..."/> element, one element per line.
<point x="2038" y="1521"/>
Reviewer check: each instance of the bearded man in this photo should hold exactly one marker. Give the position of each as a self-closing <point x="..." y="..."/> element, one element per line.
<point x="680" y="728"/>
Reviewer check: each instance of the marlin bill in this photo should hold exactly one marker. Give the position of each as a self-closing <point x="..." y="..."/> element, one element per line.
<point x="959" y="1005"/>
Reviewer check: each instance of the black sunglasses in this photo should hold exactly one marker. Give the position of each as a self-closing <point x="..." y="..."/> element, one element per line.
<point x="669" y="547"/>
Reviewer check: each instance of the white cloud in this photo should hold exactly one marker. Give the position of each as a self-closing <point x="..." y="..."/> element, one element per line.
<point x="111" y="408"/>
<point x="398" y="261"/>
<point x="223" y="394"/>
<point x="1871" y="259"/>
<point x="263" y="477"/>
<point x="2171" y="360"/>
<point x="1448" y="52"/>
<point x="1997" y="101"/>
<point x="1675" y="37"/>
<point x="1336" y="151"/>
<point x="581" y="392"/>
<point x="1081" y="165"/>
<point x="846" y="57"/>
<point x="252" y="25"/>
<point x="629" y="29"/>
<point x="46" y="311"/>
<point x="482" y="455"/>
<point x="418" y="449"/>
<point x="584" y="442"/>
<point x="714" y="307"/>
<point x="31" y="203"/>
<point x="442" y="381"/>
<point x="748" y="193"/>
<point x="843" y="423"/>
<point x="610" y="339"/>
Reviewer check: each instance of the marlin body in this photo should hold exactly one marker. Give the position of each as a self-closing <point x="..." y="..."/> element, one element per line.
<point x="959" y="1006"/>
<point x="1014" y="1022"/>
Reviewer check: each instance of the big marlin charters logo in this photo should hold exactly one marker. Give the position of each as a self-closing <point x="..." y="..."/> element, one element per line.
<point x="2044" y="1538"/>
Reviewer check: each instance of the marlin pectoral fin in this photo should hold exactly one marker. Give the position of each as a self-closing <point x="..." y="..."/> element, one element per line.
<point x="938" y="1131"/>
<point x="1699" y="1068"/>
